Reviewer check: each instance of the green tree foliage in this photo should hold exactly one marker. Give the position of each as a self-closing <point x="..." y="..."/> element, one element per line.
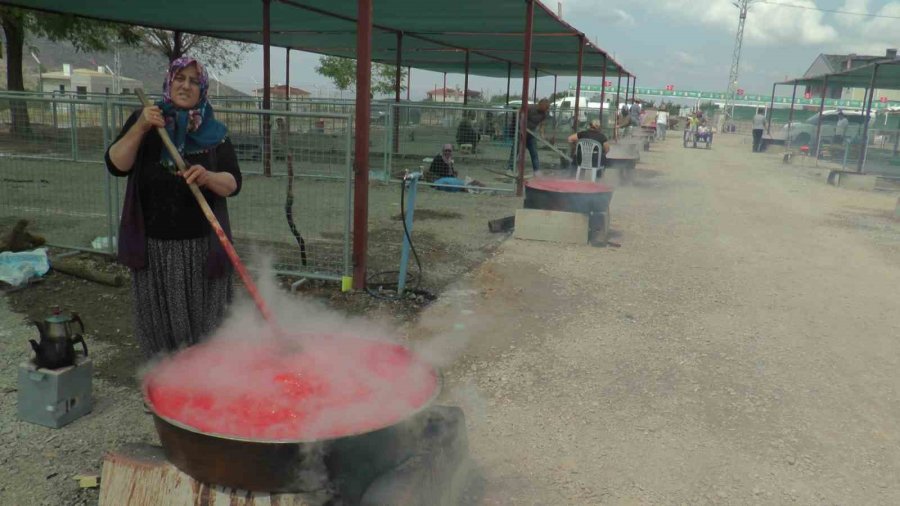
<point x="342" y="72"/>
<point x="217" y="54"/>
<point x="384" y="78"/>
<point x="83" y="34"/>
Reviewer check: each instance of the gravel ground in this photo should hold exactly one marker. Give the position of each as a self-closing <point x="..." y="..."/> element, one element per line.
<point x="739" y="348"/>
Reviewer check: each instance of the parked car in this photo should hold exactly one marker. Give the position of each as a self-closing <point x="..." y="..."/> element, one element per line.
<point x="804" y="132"/>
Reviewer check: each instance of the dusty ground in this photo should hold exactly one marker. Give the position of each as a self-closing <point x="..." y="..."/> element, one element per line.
<point x="737" y="349"/>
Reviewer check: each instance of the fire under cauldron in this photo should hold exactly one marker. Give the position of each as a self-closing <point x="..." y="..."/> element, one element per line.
<point x="332" y="433"/>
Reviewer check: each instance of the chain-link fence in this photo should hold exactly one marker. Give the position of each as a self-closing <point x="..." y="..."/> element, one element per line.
<point x="52" y="173"/>
<point x="483" y="139"/>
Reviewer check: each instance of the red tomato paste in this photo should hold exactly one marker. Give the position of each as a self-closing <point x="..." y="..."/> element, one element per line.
<point x="294" y="389"/>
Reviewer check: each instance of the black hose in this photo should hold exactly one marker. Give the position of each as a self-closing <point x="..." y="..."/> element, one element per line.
<point x="289" y="199"/>
<point x="376" y="289"/>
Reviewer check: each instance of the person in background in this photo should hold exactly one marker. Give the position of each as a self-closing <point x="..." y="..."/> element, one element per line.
<point x="443" y="173"/>
<point x="442" y="165"/>
<point x="759" y="125"/>
<point x="840" y="129"/>
<point x="635" y="114"/>
<point x="181" y="278"/>
<point x="662" y="123"/>
<point x="622" y="121"/>
<point x="534" y="123"/>
<point x="594" y="133"/>
<point x="466" y="133"/>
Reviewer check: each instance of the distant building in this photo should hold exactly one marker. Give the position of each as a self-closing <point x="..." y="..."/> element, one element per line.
<point x="85" y="81"/>
<point x="452" y="95"/>
<point x="832" y="63"/>
<point x="280" y="92"/>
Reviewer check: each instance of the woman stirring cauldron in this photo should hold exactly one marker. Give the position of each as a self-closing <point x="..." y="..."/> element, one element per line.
<point x="181" y="277"/>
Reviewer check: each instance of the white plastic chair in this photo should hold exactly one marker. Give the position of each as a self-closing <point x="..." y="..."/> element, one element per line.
<point x="587" y="148"/>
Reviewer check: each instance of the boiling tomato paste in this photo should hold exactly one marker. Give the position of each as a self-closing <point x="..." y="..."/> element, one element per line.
<point x="290" y="389"/>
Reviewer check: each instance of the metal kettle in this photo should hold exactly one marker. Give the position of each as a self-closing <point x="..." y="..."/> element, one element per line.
<point x="58" y="337"/>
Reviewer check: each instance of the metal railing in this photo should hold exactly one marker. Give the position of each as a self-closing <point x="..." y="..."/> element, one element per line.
<point x="52" y="172"/>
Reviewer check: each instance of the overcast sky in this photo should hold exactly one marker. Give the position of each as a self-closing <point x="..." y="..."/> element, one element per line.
<point x="687" y="43"/>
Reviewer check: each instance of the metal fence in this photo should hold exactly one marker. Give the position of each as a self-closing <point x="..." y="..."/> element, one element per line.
<point x="484" y="140"/>
<point x="52" y="172"/>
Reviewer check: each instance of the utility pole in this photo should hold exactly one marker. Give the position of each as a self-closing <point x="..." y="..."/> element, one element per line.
<point x="728" y="110"/>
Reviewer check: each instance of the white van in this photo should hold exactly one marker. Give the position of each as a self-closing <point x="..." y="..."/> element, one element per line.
<point x="565" y="108"/>
<point x="804" y="132"/>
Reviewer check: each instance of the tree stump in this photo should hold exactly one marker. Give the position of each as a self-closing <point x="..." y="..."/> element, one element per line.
<point x="140" y="475"/>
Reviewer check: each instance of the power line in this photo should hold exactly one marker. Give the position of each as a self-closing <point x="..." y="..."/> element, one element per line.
<point x="830" y="11"/>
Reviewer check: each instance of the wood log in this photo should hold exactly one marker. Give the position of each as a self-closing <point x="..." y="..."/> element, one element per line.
<point x="19" y="239"/>
<point x="78" y="270"/>
<point x="502" y="224"/>
<point x="140" y="475"/>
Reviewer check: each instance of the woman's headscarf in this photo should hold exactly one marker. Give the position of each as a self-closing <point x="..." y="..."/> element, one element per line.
<point x="192" y="130"/>
<point x="448" y="157"/>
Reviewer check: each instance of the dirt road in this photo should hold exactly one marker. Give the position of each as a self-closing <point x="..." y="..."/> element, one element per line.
<point x="739" y="348"/>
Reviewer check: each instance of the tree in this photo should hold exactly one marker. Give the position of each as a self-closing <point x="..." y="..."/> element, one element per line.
<point x="384" y="79"/>
<point x="342" y="72"/>
<point x="217" y="54"/>
<point x="83" y="34"/>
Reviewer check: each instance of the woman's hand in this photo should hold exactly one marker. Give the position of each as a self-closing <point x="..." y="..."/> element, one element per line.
<point x="222" y="184"/>
<point x="151" y="117"/>
<point x="196" y="174"/>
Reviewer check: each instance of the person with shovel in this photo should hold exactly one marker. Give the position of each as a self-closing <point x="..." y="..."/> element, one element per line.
<point x="181" y="275"/>
<point x="535" y="121"/>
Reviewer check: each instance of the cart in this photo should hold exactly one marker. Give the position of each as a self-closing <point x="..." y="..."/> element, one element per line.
<point x="699" y="135"/>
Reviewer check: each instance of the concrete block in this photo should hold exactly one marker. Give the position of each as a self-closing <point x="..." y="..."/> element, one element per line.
<point x="853" y="181"/>
<point x="552" y="226"/>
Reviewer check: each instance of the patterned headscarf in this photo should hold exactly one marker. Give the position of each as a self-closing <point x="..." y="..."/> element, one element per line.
<point x="192" y="130"/>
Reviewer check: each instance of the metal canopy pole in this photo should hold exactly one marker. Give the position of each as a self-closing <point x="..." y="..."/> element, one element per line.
<point x="508" y="80"/>
<point x="602" y="92"/>
<point x="627" y="88"/>
<point x="466" y="81"/>
<point x="287" y="80"/>
<point x="534" y="95"/>
<point x="791" y="116"/>
<point x="554" y="86"/>
<point x="633" y="89"/>
<point x="771" y="110"/>
<point x="361" y="148"/>
<point x="267" y="90"/>
<point x="865" y="135"/>
<point x="445" y="87"/>
<point x="618" y="102"/>
<point x="398" y="79"/>
<point x="578" y="81"/>
<point x="618" y="90"/>
<point x="819" y="122"/>
<point x="523" y="115"/>
<point x="408" y="82"/>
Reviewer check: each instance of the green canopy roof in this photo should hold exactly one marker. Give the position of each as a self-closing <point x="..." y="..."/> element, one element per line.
<point x="886" y="78"/>
<point x="436" y="35"/>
